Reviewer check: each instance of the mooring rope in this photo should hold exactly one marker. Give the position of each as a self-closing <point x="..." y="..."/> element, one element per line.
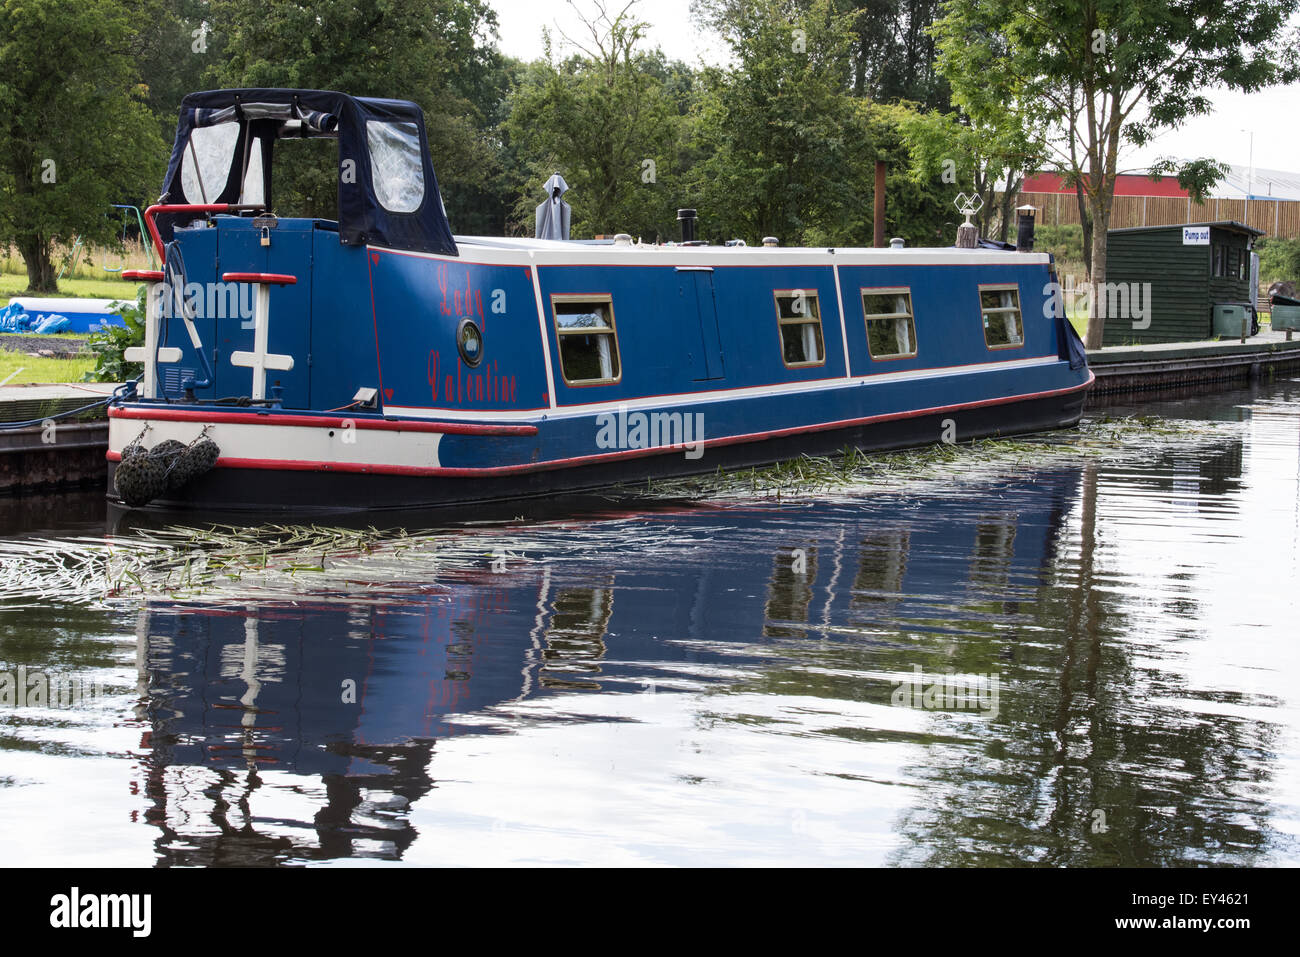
<point x="123" y="392"/>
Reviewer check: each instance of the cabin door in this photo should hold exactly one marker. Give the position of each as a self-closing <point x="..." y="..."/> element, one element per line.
<point x="695" y="292"/>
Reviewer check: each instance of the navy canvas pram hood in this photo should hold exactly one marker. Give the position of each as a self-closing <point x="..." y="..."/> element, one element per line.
<point x="387" y="190"/>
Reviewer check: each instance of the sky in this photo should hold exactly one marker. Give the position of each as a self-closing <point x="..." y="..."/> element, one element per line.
<point x="1273" y="116"/>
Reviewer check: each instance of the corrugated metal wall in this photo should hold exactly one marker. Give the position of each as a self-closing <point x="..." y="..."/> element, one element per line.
<point x="1275" y="217"/>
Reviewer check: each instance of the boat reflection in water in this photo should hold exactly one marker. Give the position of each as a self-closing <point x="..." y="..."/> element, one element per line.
<point x="760" y="649"/>
<point x="337" y="708"/>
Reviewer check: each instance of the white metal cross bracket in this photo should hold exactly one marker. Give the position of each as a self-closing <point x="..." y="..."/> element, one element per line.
<point x="149" y="353"/>
<point x="259" y="360"/>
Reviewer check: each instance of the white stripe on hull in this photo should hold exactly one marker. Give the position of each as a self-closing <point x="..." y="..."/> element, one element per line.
<point x="722" y="395"/>
<point x="289" y="442"/>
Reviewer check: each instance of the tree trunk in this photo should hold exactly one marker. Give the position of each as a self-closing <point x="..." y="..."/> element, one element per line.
<point x="1008" y="201"/>
<point x="1100" y="210"/>
<point x="38" y="256"/>
<point x="1085" y="221"/>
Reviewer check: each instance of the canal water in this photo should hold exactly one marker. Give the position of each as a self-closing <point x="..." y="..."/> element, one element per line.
<point x="1081" y="652"/>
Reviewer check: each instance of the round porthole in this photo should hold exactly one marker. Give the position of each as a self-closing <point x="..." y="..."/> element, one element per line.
<point x="469" y="340"/>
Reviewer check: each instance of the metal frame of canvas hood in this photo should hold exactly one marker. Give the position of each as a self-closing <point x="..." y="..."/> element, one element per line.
<point x="394" y="210"/>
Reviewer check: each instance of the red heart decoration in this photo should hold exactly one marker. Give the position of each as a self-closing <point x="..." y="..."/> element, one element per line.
<point x="388" y="393"/>
<point x="374" y="258"/>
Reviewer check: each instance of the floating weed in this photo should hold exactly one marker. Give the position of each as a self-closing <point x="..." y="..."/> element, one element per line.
<point x="285" y="563"/>
<point x="854" y="471"/>
<point x="274" y="563"/>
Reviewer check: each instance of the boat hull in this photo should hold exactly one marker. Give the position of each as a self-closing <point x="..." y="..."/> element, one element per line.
<point x="295" y="487"/>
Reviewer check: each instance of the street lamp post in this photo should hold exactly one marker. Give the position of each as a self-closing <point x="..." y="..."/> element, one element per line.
<point x="1250" y="173"/>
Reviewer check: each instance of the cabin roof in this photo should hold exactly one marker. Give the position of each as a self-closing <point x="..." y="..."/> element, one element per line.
<point x="1230" y="225"/>
<point x="387" y="190"/>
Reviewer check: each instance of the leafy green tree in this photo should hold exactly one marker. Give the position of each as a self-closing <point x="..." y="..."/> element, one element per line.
<point x="919" y="204"/>
<point x="436" y="53"/>
<point x="605" y="119"/>
<point x="783" y="144"/>
<point x="1279" y="260"/>
<point x="177" y="45"/>
<point x="1100" y="74"/>
<point x="972" y="155"/>
<point x="893" y="51"/>
<point x="77" y="134"/>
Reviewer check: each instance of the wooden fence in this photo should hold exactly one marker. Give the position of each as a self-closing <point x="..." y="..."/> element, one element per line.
<point x="1276" y="217"/>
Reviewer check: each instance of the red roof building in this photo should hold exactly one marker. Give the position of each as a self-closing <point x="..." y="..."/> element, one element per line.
<point x="1126" y="184"/>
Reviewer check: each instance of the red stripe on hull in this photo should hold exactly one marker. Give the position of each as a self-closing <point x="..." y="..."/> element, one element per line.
<point x="319" y="422"/>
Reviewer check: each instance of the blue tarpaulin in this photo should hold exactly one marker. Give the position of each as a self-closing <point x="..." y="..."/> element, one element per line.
<point x="14" y="319"/>
<point x="51" y="324"/>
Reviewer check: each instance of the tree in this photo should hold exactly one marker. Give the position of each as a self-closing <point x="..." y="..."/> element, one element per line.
<point x="176" y="45"/>
<point x="893" y="51"/>
<point x="436" y="53"/>
<point x="1100" y="74"/>
<point x="602" y="118"/>
<point x="77" y="134"/>
<point x="784" y="145"/>
<point x="972" y="153"/>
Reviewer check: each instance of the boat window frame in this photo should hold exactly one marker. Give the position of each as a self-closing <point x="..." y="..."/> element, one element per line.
<point x="815" y="297"/>
<point x="984" y="287"/>
<point x="600" y="298"/>
<point x="863" y="292"/>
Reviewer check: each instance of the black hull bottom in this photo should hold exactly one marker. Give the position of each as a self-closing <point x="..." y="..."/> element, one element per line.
<point x="306" y="492"/>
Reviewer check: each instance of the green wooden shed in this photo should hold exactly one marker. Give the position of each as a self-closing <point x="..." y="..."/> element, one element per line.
<point x="1191" y="268"/>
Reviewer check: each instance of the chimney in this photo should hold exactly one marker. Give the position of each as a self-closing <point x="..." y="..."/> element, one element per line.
<point x="687" y="218"/>
<point x="1025" y="228"/>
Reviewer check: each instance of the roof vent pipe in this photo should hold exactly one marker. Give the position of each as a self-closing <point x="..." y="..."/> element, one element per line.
<point x="896" y="242"/>
<point x="687" y="219"/>
<point x="1025" y="228"/>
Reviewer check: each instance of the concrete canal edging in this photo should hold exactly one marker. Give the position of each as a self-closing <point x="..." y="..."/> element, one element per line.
<point x="1145" y="368"/>
<point x="64" y="453"/>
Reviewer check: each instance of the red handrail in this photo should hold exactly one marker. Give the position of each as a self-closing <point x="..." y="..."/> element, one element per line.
<point x="154" y="210"/>
<point x="270" y="278"/>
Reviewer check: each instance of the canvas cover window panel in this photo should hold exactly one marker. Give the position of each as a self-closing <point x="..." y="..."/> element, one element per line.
<point x="207" y="161"/>
<point x="397" y="168"/>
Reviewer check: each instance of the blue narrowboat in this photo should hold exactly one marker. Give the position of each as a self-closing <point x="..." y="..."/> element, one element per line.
<point x="378" y="361"/>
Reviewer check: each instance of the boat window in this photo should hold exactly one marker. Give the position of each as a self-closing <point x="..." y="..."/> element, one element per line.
<point x="799" y="318"/>
<point x="891" y="328"/>
<point x="207" y="161"/>
<point x="1003" y="326"/>
<point x="584" y="328"/>
<point x="396" y="168"/>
